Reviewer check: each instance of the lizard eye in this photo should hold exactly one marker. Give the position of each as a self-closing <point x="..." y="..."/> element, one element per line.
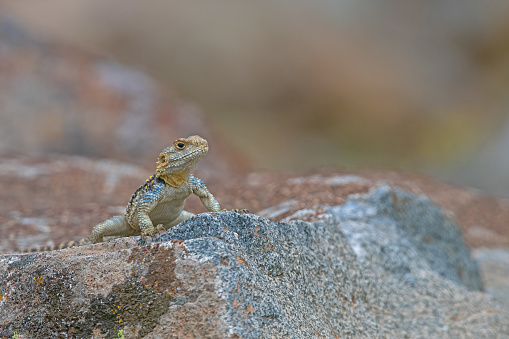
<point x="180" y="145"/>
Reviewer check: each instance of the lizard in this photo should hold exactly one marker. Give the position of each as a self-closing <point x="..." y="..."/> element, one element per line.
<point x="158" y="204"/>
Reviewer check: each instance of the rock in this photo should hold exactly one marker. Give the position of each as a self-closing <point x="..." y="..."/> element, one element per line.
<point x="55" y="99"/>
<point x="386" y="263"/>
<point x="483" y="219"/>
<point x="404" y="233"/>
<point x="494" y="267"/>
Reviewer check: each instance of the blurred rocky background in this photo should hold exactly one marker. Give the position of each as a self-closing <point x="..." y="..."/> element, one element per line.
<point x="417" y="85"/>
<point x="91" y="91"/>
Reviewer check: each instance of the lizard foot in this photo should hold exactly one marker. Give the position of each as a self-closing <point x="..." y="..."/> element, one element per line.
<point x="149" y="231"/>
<point x="152" y="231"/>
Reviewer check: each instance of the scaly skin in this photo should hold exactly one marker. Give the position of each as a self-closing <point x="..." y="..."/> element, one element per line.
<point x="159" y="203"/>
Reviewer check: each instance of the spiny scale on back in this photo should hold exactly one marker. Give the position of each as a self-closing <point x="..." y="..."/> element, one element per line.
<point x="140" y="191"/>
<point x="158" y="204"/>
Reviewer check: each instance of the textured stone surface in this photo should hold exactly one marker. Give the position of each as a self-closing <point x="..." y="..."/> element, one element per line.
<point x="383" y="264"/>
<point x="401" y="231"/>
<point x="494" y="268"/>
<point x="101" y="290"/>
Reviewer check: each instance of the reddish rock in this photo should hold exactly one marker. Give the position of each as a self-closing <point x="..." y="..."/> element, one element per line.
<point x="483" y="219"/>
<point x="107" y="290"/>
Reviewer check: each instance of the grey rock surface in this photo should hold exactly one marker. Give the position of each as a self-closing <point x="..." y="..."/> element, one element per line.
<point x="292" y="280"/>
<point x="401" y="233"/>
<point x="494" y="268"/>
<point x="387" y="264"/>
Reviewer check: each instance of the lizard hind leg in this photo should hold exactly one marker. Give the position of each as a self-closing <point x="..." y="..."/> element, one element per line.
<point x="114" y="227"/>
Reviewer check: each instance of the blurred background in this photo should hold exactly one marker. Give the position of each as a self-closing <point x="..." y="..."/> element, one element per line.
<point x="295" y="85"/>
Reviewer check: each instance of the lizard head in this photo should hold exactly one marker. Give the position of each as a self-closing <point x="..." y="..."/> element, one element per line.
<point x="176" y="161"/>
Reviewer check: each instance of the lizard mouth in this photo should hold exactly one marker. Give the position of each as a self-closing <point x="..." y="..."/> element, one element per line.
<point x="182" y="160"/>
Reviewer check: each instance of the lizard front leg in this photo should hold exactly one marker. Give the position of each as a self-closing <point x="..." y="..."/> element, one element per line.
<point x="147" y="203"/>
<point x="207" y="199"/>
<point x="146" y="225"/>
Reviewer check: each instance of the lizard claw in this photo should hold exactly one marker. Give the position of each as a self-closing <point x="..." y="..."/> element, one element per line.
<point x="161" y="228"/>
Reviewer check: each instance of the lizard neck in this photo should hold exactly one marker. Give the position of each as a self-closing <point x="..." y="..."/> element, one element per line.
<point x="175" y="179"/>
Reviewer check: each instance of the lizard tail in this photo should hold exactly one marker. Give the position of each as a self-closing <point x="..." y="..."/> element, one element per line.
<point x="72" y="243"/>
<point x="116" y="226"/>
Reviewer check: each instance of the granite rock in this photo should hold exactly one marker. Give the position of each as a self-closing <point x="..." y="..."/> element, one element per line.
<point x="494" y="268"/>
<point x="387" y="263"/>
